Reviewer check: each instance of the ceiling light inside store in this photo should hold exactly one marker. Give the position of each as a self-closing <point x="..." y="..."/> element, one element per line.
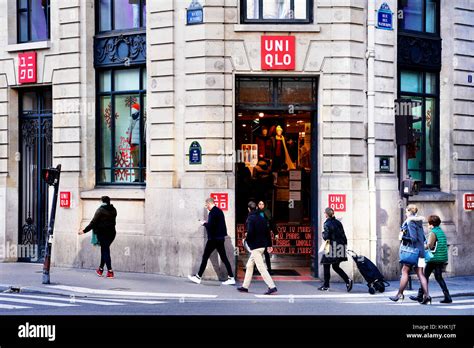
<point x="239" y="114"/>
<point x="261" y="114"/>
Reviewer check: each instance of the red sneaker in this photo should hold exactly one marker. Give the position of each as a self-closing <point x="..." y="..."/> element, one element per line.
<point x="110" y="274"/>
<point x="99" y="272"/>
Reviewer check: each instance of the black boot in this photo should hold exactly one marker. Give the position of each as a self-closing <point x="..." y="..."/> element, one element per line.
<point x="419" y="297"/>
<point x="447" y="297"/>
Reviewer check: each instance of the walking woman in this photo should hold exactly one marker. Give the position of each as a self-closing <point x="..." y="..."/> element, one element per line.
<point x="437" y="242"/>
<point x="103" y="224"/>
<point x="267" y="215"/>
<point x="412" y="232"/>
<point x="334" y="233"/>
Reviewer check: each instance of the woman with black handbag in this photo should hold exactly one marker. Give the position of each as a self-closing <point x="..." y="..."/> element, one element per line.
<point x="412" y="253"/>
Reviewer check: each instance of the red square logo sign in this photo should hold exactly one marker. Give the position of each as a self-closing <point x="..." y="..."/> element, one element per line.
<point x="221" y="200"/>
<point x="27" y="67"/>
<point x="65" y="199"/>
<point x="469" y="201"/>
<point x="337" y="202"/>
<point x="278" y="52"/>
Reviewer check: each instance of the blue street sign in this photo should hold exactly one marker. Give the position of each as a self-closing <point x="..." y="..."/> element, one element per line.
<point x="195" y="13"/>
<point x="385" y="17"/>
<point x="195" y="153"/>
<point x="469" y="78"/>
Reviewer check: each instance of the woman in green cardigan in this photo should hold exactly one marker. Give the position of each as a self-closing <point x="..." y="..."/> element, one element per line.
<point x="439" y="260"/>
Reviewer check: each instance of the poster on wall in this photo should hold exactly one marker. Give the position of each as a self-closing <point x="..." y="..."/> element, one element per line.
<point x="250" y="154"/>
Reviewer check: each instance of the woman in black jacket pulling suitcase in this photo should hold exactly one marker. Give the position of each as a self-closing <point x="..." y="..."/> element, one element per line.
<point x="334" y="232"/>
<point x="103" y="224"/>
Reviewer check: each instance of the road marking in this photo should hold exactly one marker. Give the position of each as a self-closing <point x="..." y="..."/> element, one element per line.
<point x="322" y="296"/>
<point x="42" y="303"/>
<point x="71" y="300"/>
<point x="458" y="307"/>
<point x="134" y="301"/>
<point x="6" y="306"/>
<point x="128" y="293"/>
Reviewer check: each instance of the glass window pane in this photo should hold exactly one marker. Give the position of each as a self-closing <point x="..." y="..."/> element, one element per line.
<point x="430" y="134"/>
<point x="30" y="102"/>
<point x="127" y="80"/>
<point x="411" y="82"/>
<point x="23" y="26"/>
<point x="144" y="79"/>
<point x="255" y="91"/>
<point x="128" y="138"/>
<point x="412" y="14"/>
<point x="106" y="135"/>
<point x="39" y="15"/>
<point x="252" y="9"/>
<point x="104" y="81"/>
<point x="126" y="14"/>
<point x="47" y="101"/>
<point x="430" y="83"/>
<point x="144" y="13"/>
<point x="105" y="8"/>
<point x="296" y="92"/>
<point x="300" y="9"/>
<point x="430" y="16"/>
<point x="23" y="5"/>
<point x="277" y="9"/>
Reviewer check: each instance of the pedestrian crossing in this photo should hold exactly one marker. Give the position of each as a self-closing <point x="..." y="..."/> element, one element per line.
<point x="457" y="304"/>
<point x="9" y="301"/>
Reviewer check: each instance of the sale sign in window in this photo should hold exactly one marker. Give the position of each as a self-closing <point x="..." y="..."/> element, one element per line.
<point x="27" y="67"/>
<point x="278" y="52"/>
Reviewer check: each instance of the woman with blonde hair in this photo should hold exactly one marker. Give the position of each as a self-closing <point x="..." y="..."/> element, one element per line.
<point x="412" y="234"/>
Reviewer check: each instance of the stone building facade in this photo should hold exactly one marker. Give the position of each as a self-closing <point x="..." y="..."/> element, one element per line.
<point x="191" y="95"/>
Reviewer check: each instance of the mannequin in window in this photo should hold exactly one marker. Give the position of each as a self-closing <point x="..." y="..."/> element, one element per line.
<point x="280" y="152"/>
<point x="134" y="139"/>
<point x="264" y="143"/>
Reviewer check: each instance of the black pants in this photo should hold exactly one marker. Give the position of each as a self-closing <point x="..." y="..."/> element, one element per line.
<point x="212" y="245"/>
<point x="337" y="269"/>
<point x="105" y="242"/>
<point x="267" y="260"/>
<point x="438" y="271"/>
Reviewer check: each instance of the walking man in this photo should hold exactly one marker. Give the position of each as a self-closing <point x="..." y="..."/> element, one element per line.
<point x="258" y="239"/>
<point x="216" y="233"/>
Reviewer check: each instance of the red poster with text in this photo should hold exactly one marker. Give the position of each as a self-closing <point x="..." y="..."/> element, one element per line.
<point x="337" y="202"/>
<point x="278" y="52"/>
<point x="65" y="199"/>
<point x="27" y="67"/>
<point x="221" y="200"/>
<point x="469" y="201"/>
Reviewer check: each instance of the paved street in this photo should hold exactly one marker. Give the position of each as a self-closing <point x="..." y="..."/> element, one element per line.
<point x="81" y="292"/>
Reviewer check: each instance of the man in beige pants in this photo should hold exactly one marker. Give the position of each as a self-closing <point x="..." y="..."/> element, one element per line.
<point x="258" y="238"/>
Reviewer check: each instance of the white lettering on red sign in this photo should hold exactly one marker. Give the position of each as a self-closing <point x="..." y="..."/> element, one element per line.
<point x="27" y="67"/>
<point x="221" y="200"/>
<point x="469" y="201"/>
<point x="337" y="202"/>
<point x="278" y="52"/>
<point x="65" y="199"/>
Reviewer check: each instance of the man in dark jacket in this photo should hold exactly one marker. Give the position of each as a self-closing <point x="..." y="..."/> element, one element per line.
<point x="258" y="238"/>
<point x="216" y="233"/>
<point x="334" y="233"/>
<point x="103" y="224"/>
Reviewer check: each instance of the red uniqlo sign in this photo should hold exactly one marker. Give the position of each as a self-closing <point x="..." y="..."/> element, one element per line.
<point x="65" y="199"/>
<point x="278" y="52"/>
<point x="27" y="67"/>
<point x="469" y="201"/>
<point x="337" y="202"/>
<point x="221" y="200"/>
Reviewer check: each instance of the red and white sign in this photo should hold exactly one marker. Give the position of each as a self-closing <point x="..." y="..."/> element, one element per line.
<point x="469" y="201"/>
<point x="221" y="200"/>
<point x="278" y="52"/>
<point x="65" y="199"/>
<point x="337" y="202"/>
<point x="27" y="67"/>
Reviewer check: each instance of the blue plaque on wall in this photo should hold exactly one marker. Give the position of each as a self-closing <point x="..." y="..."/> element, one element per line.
<point x="384" y="164"/>
<point x="195" y="13"/>
<point x="385" y="17"/>
<point x="195" y="153"/>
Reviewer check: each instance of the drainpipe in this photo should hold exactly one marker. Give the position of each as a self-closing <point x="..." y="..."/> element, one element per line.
<point x="370" y="55"/>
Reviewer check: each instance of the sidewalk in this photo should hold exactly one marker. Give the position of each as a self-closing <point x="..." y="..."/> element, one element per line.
<point x="83" y="282"/>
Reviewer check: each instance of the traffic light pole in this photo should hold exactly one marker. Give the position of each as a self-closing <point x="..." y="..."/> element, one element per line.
<point x="49" y="237"/>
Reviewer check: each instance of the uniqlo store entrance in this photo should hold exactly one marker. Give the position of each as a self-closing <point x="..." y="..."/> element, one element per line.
<point x="276" y="146"/>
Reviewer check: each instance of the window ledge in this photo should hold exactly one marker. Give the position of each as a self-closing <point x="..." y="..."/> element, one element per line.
<point x="28" y="46"/>
<point x="122" y="193"/>
<point x="296" y="28"/>
<point x="427" y="196"/>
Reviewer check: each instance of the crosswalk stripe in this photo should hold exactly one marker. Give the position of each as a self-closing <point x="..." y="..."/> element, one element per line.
<point x="70" y="300"/>
<point x="42" y="303"/>
<point x="458" y="307"/>
<point x="134" y="301"/>
<point x="6" y="306"/>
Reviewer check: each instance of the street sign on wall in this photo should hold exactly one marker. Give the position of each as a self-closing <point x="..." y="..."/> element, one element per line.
<point x="385" y="17"/>
<point x="65" y="199"/>
<point x="337" y="202"/>
<point x="195" y="153"/>
<point x="27" y="67"/>
<point x="278" y="52"/>
<point x="469" y="201"/>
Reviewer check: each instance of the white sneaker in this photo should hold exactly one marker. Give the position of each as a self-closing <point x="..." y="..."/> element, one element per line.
<point x="229" y="281"/>
<point x="195" y="279"/>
